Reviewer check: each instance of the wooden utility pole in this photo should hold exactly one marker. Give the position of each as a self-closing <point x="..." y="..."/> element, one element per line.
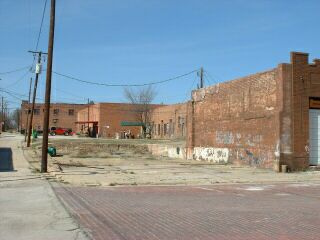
<point x="44" y="159"/>
<point x="88" y="114"/>
<point x="201" y="78"/>
<point x="2" y="114"/>
<point x="33" y="98"/>
<point x="27" y="125"/>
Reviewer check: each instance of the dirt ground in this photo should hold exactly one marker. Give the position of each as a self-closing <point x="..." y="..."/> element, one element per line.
<point x="92" y="162"/>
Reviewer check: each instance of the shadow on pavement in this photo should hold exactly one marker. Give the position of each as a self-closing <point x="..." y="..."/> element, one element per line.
<point x="6" y="163"/>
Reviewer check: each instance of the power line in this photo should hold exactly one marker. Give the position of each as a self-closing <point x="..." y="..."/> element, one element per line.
<point x="12" y="93"/>
<point x="40" y="30"/>
<point x="19" y="79"/>
<point x="15" y="70"/>
<point x="124" y="85"/>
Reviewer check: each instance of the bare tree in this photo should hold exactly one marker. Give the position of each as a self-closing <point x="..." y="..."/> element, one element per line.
<point x="142" y="99"/>
<point x="13" y="119"/>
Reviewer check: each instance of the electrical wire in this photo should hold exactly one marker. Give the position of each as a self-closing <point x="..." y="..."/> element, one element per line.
<point x="19" y="79"/>
<point x="15" y="70"/>
<point x="13" y="94"/>
<point x="124" y="85"/>
<point x="40" y="30"/>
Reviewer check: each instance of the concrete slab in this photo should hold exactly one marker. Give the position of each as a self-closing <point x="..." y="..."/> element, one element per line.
<point x="29" y="208"/>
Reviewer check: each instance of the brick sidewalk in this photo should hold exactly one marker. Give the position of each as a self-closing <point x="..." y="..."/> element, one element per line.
<point x="230" y="212"/>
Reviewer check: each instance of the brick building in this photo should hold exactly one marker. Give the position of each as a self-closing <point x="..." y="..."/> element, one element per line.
<point x="266" y="119"/>
<point x="106" y="118"/>
<point x="169" y="121"/>
<point x="111" y="119"/>
<point x="61" y="115"/>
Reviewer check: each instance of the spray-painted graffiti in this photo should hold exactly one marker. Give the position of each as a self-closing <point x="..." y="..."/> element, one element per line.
<point x="252" y="157"/>
<point x="252" y="140"/>
<point x="227" y="137"/>
<point x="215" y="155"/>
<point x="224" y="137"/>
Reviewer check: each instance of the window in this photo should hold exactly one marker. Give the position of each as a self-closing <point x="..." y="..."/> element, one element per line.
<point x="36" y="111"/>
<point x="55" y="111"/>
<point x="171" y="127"/>
<point x="71" y="112"/>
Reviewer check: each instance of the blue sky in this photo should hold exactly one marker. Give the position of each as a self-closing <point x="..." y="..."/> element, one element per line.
<point x="138" y="41"/>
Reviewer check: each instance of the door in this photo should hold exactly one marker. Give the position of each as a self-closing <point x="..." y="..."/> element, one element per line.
<point x="314" y="136"/>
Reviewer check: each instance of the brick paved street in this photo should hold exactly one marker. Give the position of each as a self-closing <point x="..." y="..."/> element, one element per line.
<point x="283" y="211"/>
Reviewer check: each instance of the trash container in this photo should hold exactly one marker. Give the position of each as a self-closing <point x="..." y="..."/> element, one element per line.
<point x="34" y="134"/>
<point x="52" y="151"/>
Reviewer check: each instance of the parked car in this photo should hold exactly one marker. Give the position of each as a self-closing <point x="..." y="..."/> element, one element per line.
<point x="60" y="131"/>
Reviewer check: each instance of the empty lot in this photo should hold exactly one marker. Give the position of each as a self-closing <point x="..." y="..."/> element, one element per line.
<point x="91" y="162"/>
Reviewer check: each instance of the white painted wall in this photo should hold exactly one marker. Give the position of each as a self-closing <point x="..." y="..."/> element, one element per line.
<point x="214" y="155"/>
<point x="167" y="151"/>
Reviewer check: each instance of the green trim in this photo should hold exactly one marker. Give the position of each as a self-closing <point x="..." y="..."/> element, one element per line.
<point x="131" y="124"/>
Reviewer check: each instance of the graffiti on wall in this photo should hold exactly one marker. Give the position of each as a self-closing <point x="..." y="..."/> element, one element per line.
<point x="252" y="157"/>
<point x="224" y="137"/>
<point x="215" y="155"/>
<point x="227" y="137"/>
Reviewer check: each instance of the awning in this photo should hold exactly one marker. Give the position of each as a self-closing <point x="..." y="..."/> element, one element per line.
<point x="131" y="124"/>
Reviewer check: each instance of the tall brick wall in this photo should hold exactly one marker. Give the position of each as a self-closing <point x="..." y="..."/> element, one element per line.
<point x="169" y="121"/>
<point x="260" y="120"/>
<point x="236" y="121"/>
<point x="62" y="117"/>
<point x="305" y="83"/>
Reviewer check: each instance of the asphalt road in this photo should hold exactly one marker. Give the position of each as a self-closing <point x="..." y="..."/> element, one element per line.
<point x="230" y="212"/>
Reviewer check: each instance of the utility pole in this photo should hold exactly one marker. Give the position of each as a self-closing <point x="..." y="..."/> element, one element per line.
<point x="88" y="113"/>
<point x="2" y="114"/>
<point x="34" y="96"/>
<point x="44" y="159"/>
<point x="27" y="125"/>
<point x="201" y="77"/>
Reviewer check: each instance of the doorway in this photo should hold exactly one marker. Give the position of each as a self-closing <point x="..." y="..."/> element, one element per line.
<point x="314" y="137"/>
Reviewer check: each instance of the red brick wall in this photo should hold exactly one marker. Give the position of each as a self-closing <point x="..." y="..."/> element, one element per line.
<point x="110" y="116"/>
<point x="82" y="116"/>
<point x="305" y="84"/>
<point x="169" y="121"/>
<point x="61" y="119"/>
<point x="237" y="121"/>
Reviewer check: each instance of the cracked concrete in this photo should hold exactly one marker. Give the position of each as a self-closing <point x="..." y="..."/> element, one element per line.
<point x="29" y="207"/>
<point x="109" y="163"/>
